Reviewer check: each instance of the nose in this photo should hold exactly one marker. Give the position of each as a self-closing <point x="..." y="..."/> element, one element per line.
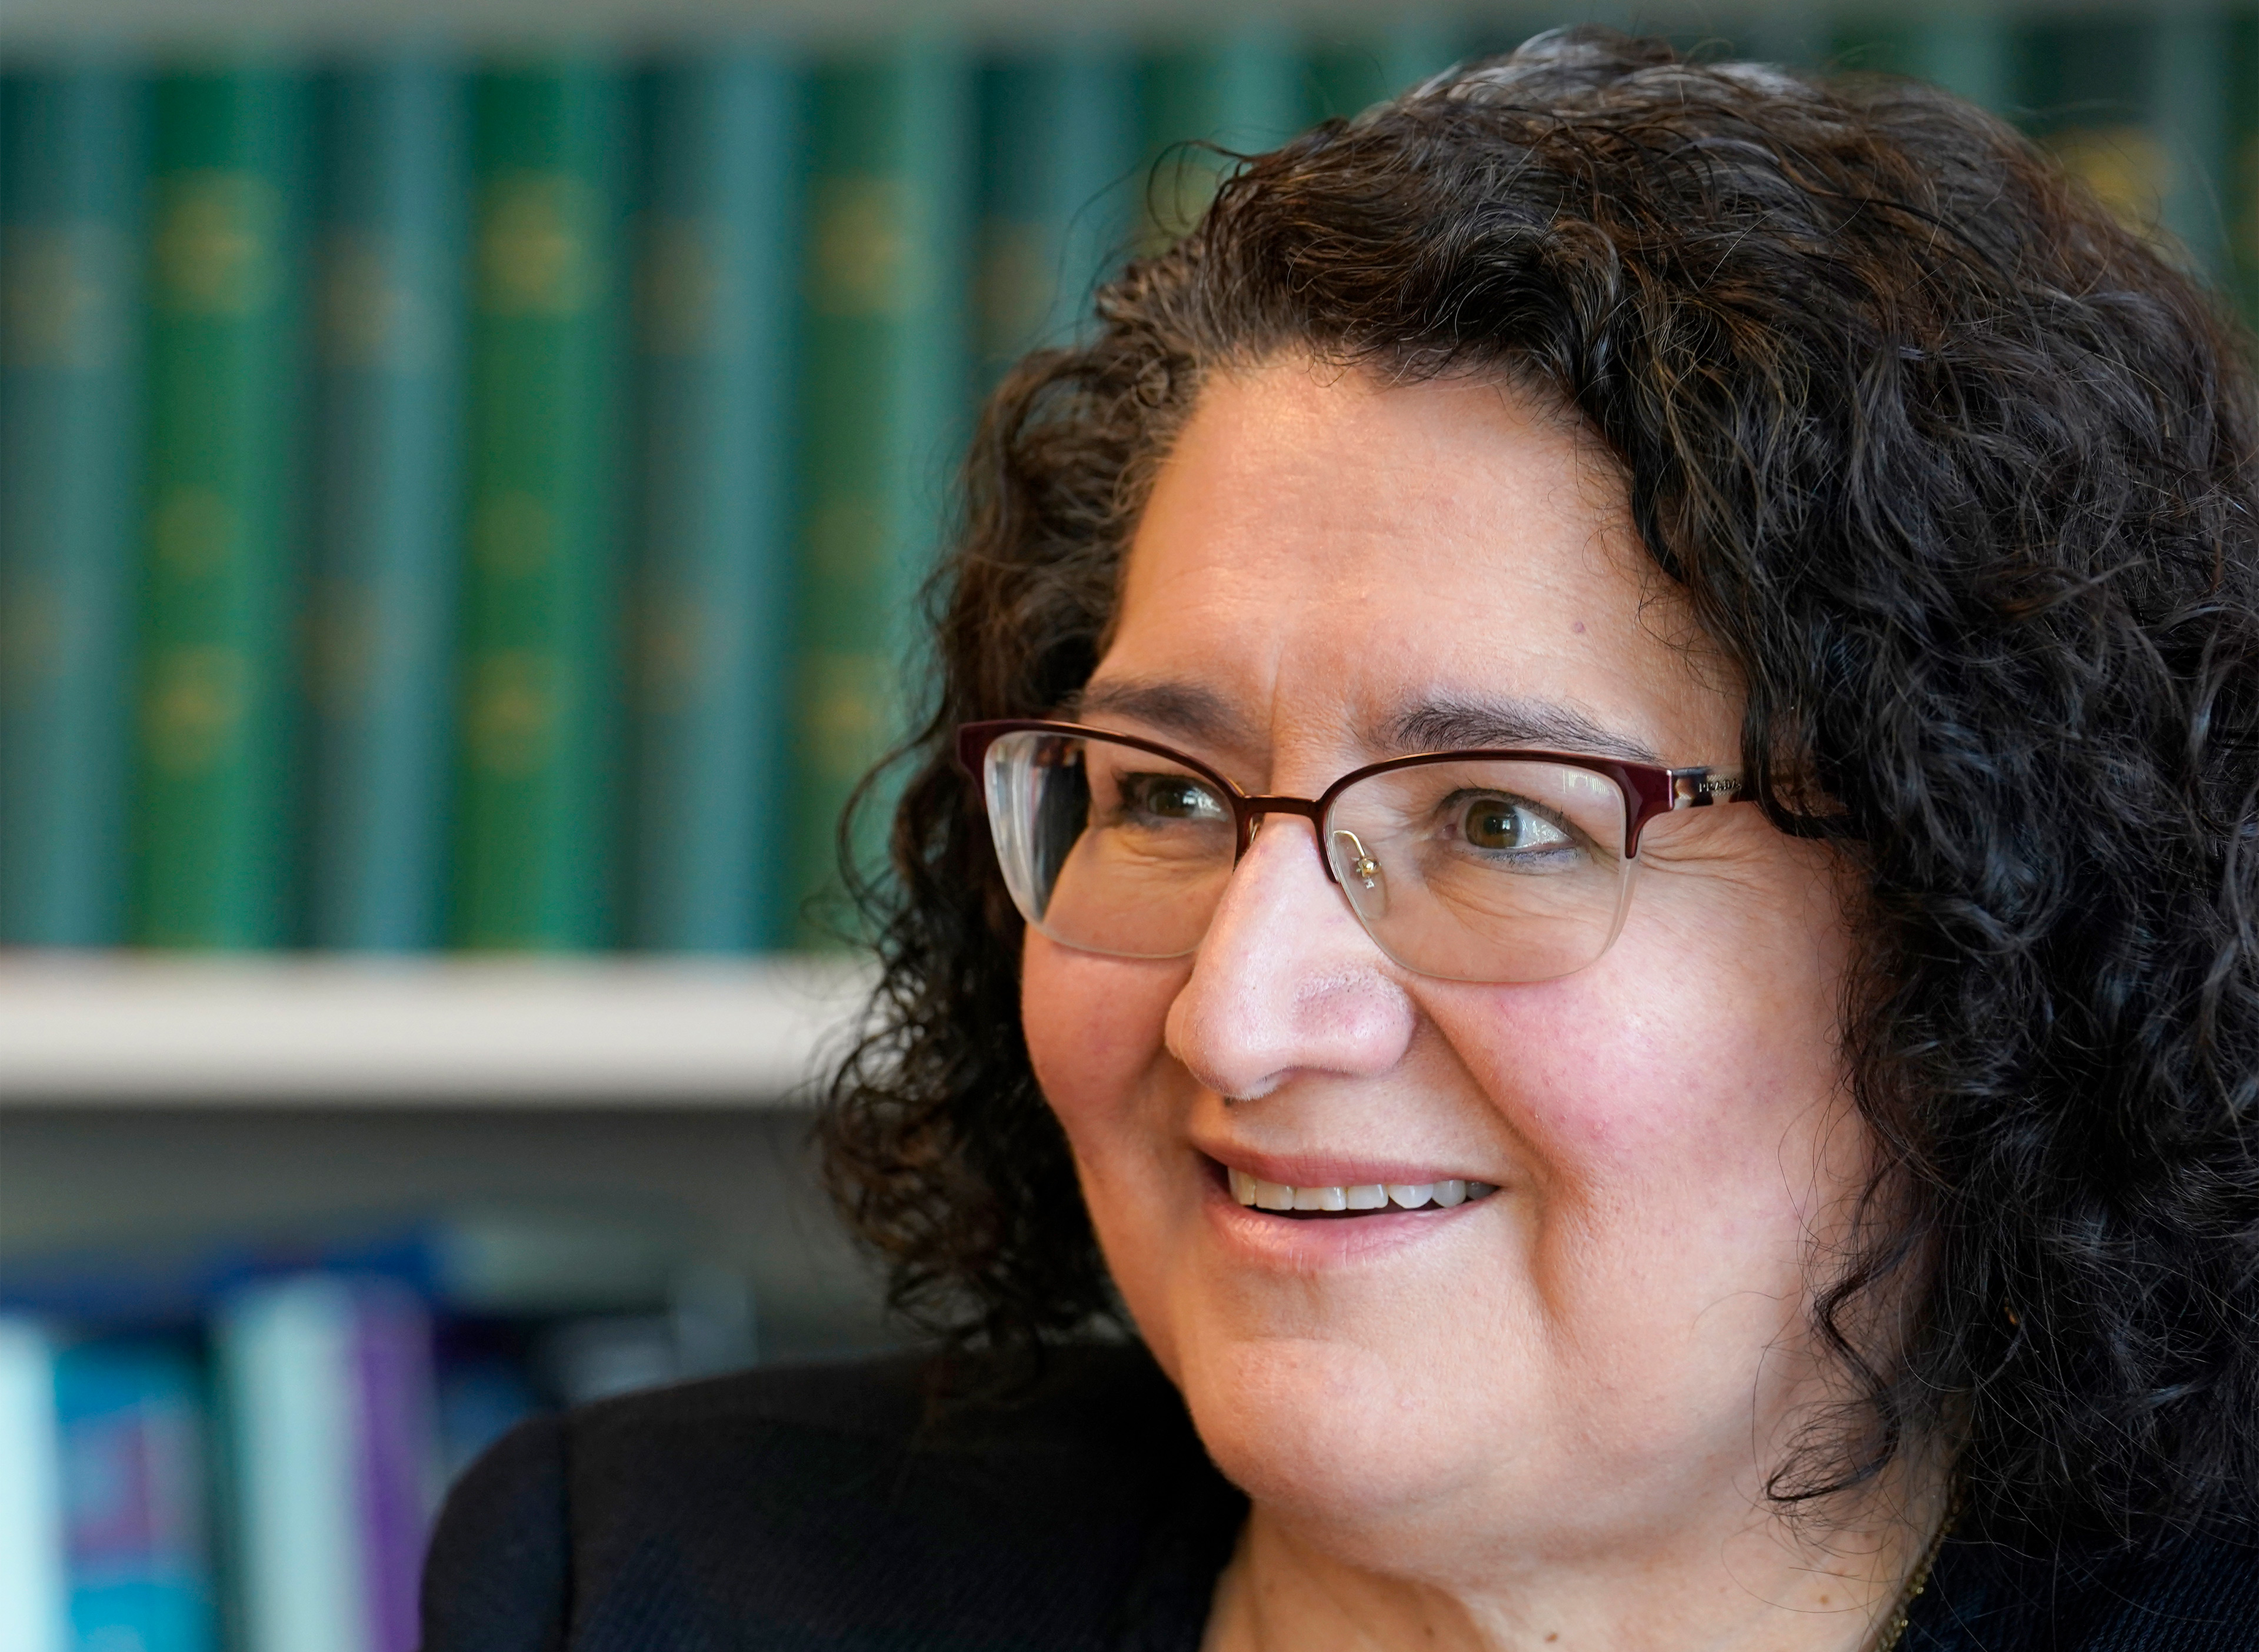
<point x="1286" y="981"/>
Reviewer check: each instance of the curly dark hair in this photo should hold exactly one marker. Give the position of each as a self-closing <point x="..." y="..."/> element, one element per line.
<point x="1958" y="472"/>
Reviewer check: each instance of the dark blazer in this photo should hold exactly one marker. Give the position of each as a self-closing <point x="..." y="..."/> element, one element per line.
<point x="831" y="1507"/>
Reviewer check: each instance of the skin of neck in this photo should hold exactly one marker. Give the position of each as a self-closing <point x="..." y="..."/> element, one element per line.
<point x="1734" y="1574"/>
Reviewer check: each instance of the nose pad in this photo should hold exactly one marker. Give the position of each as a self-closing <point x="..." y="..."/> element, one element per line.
<point x="1360" y="874"/>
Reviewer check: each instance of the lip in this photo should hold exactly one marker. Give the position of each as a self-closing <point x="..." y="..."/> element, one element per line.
<point x="1300" y="1170"/>
<point x="1267" y="1239"/>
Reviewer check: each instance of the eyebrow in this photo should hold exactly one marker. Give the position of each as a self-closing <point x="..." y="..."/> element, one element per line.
<point x="1433" y="724"/>
<point x="1451" y="722"/>
<point x="1180" y="708"/>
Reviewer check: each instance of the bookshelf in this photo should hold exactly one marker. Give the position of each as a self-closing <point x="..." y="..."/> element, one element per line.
<point x="638" y="721"/>
<point x="298" y="1031"/>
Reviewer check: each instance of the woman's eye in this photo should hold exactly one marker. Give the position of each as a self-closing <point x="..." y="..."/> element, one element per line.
<point x="1502" y="825"/>
<point x="1171" y="797"/>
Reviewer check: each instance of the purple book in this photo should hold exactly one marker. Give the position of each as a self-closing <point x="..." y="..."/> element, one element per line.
<point x="399" y="1446"/>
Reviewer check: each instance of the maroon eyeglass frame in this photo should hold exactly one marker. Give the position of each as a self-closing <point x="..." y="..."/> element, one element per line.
<point x="1648" y="790"/>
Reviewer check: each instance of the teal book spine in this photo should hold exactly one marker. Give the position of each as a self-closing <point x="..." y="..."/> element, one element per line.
<point x="389" y="337"/>
<point x="1969" y="54"/>
<point x="71" y="159"/>
<point x="2083" y="88"/>
<point x="222" y="535"/>
<point x="2240" y="192"/>
<point x="1350" y="75"/>
<point x="1242" y="92"/>
<point x="1058" y="162"/>
<point x="2142" y="112"/>
<point x="2192" y="102"/>
<point x="711" y="688"/>
<point x="1791" y="36"/>
<point x="133" y="1418"/>
<point x="883" y="418"/>
<point x="534" y="821"/>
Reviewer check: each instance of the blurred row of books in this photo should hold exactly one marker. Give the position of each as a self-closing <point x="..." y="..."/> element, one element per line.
<point x="481" y="503"/>
<point x="244" y="1445"/>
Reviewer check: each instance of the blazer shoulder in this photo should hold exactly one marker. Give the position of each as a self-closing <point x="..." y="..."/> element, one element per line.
<point x="872" y="1504"/>
<point x="1102" y="1399"/>
<point x="494" y="1576"/>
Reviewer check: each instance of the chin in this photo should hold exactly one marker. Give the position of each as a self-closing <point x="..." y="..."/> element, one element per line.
<point x="1332" y="1431"/>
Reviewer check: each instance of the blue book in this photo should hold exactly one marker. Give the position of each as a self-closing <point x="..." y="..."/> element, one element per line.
<point x="71" y="146"/>
<point x="1059" y="146"/>
<point x="387" y="500"/>
<point x="719" y="252"/>
<point x="34" y="1609"/>
<point x="131" y="1416"/>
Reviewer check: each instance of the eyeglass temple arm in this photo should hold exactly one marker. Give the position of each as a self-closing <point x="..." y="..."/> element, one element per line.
<point x="1699" y="787"/>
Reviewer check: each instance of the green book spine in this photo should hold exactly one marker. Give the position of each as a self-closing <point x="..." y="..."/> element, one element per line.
<point x="70" y="207"/>
<point x="212" y="850"/>
<point x="388" y="502"/>
<point x="1058" y="154"/>
<point x="533" y="830"/>
<point x="717" y="302"/>
<point x="882" y="415"/>
<point x="1242" y="92"/>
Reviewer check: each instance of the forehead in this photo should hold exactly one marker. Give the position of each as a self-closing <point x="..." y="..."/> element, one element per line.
<point x="1320" y="554"/>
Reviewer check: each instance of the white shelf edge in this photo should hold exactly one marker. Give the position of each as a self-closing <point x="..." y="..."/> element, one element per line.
<point x="90" y="1030"/>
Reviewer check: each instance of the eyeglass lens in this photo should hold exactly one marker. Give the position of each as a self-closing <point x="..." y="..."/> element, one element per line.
<point x="1480" y="870"/>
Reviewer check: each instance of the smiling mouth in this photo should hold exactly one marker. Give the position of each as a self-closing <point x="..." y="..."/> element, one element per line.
<point x="1370" y="1199"/>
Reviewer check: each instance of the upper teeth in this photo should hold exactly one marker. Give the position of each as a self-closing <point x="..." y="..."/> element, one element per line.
<point x="1252" y="1190"/>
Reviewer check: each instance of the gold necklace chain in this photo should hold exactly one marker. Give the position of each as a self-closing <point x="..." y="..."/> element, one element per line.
<point x="1902" y="1613"/>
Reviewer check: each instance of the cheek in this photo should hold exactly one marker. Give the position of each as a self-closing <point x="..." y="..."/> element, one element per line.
<point x="1680" y="1099"/>
<point x="1622" y="1081"/>
<point x="1094" y="1027"/>
<point x="1095" y="1033"/>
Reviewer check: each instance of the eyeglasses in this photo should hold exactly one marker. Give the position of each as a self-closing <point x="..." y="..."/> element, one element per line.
<point x="1485" y="866"/>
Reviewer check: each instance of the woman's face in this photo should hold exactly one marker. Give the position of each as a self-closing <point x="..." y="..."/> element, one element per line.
<point x="1612" y="1343"/>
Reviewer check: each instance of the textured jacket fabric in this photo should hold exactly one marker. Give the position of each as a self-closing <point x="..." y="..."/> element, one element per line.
<point x="2202" y="1598"/>
<point x="838" y="1507"/>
